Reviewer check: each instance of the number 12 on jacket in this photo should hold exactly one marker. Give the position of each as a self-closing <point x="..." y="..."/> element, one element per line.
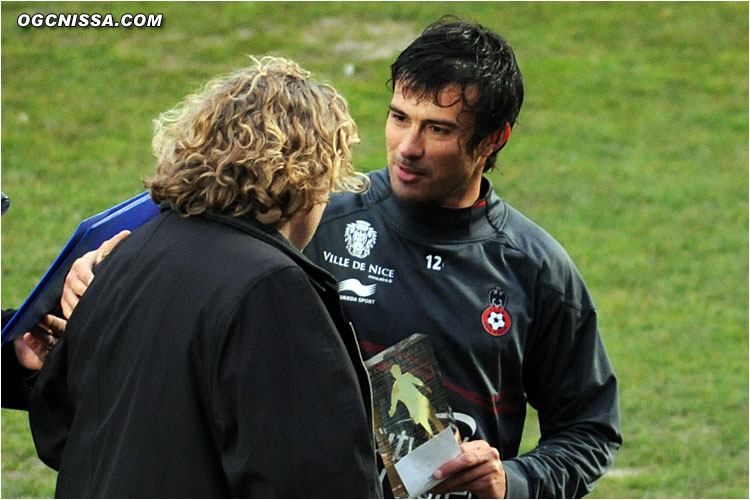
<point x="434" y="262"/>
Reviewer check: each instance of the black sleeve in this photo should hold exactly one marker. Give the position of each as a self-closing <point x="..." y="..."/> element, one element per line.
<point x="570" y="382"/>
<point x="17" y="380"/>
<point x="287" y="402"/>
<point x="51" y="416"/>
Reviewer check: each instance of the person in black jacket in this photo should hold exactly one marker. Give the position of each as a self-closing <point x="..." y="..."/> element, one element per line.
<point x="24" y="356"/>
<point x="210" y="358"/>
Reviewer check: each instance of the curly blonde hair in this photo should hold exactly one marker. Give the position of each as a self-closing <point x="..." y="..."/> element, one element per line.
<point x="266" y="141"/>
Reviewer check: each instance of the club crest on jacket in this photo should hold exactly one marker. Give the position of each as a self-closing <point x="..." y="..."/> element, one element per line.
<point x="360" y="237"/>
<point x="495" y="318"/>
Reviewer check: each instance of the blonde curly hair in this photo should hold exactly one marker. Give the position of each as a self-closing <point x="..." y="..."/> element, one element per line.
<point x="266" y="141"/>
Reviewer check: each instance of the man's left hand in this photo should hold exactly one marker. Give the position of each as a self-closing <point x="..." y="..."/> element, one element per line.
<point x="477" y="469"/>
<point x="32" y="348"/>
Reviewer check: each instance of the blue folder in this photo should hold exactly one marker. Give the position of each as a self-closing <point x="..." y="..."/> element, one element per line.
<point x="89" y="235"/>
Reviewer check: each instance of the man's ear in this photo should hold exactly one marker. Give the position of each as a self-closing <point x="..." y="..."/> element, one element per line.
<point x="496" y="140"/>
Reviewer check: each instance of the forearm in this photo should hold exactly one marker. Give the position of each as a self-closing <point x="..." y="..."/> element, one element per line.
<point x="566" y="464"/>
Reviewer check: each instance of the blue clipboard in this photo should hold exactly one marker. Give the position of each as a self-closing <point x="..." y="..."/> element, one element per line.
<point x="89" y="235"/>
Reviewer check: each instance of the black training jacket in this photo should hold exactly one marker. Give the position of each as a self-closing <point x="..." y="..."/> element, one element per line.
<point x="508" y="315"/>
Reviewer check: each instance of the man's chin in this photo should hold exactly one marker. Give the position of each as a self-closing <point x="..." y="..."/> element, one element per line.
<point x="409" y="193"/>
<point x="412" y="192"/>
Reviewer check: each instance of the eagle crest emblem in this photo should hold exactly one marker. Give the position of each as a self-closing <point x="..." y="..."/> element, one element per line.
<point x="360" y="237"/>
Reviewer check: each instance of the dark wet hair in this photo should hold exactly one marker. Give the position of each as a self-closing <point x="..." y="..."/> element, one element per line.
<point x="456" y="51"/>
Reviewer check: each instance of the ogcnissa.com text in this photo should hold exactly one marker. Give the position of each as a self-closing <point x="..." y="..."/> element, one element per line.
<point x="39" y="20"/>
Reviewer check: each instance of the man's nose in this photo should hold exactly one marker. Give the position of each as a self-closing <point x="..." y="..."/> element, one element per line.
<point x="412" y="145"/>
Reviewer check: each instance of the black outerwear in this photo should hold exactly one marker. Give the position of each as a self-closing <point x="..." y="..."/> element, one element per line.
<point x="509" y="316"/>
<point x="209" y="358"/>
<point x="16" y="378"/>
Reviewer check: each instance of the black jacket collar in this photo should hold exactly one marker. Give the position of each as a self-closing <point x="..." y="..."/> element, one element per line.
<point x="249" y="225"/>
<point x="433" y="223"/>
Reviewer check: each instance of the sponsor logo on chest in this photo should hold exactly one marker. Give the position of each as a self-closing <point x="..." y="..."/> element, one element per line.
<point x="360" y="238"/>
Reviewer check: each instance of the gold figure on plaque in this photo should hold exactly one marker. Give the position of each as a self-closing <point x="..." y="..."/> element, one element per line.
<point x="406" y="390"/>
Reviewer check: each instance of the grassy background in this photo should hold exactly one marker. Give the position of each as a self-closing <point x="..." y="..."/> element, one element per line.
<point x="631" y="149"/>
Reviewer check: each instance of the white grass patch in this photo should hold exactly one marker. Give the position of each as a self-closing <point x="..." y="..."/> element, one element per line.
<point x="360" y="41"/>
<point x="625" y="472"/>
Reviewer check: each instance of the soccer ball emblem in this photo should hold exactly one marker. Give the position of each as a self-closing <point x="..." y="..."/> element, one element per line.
<point x="496" y="320"/>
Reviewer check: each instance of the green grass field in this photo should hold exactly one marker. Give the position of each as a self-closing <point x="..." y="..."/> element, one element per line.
<point x="631" y="149"/>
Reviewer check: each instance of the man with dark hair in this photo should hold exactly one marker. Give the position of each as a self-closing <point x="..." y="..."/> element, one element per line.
<point x="432" y="248"/>
<point x="443" y="56"/>
<point x="508" y="314"/>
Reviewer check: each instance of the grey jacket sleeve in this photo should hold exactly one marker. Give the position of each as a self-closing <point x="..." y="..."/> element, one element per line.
<point x="570" y="382"/>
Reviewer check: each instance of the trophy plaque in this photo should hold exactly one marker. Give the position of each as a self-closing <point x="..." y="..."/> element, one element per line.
<point x="414" y="426"/>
